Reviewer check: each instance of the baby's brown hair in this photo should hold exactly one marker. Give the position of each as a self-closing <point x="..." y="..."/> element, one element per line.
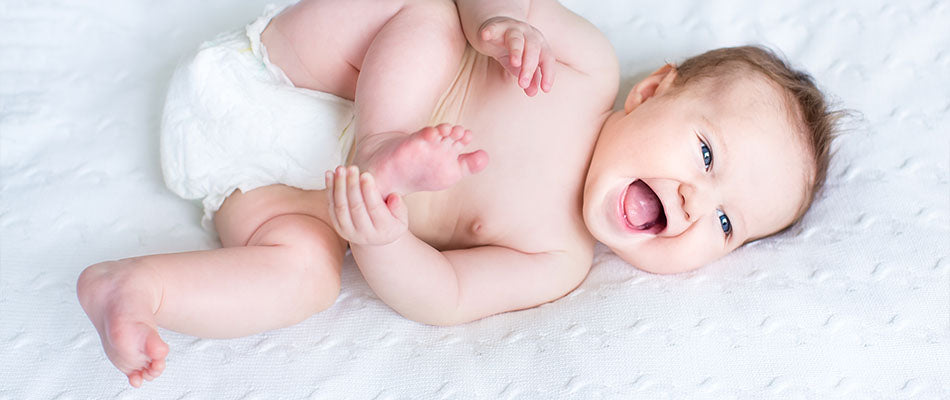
<point x="805" y="102"/>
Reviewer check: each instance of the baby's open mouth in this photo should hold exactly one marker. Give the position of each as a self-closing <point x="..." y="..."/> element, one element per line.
<point x="642" y="208"/>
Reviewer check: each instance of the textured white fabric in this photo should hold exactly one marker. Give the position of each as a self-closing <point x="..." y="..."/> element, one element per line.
<point x="853" y="303"/>
<point x="233" y="120"/>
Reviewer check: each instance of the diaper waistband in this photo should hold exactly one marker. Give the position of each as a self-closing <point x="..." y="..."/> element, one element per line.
<point x="254" y="31"/>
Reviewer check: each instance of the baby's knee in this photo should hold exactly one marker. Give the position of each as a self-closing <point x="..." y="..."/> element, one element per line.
<point x="314" y="254"/>
<point x="441" y="16"/>
<point x="319" y="265"/>
<point x="442" y="10"/>
<point x="318" y="277"/>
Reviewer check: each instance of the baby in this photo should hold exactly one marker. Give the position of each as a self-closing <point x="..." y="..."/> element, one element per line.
<point x="484" y="160"/>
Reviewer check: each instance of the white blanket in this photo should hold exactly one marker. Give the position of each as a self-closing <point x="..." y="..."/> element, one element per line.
<point x="853" y="303"/>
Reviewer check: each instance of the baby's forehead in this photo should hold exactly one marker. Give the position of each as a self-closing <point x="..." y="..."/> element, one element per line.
<point x="752" y="97"/>
<point x="747" y="88"/>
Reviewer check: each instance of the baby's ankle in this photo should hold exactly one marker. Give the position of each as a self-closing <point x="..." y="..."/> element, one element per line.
<point x="368" y="147"/>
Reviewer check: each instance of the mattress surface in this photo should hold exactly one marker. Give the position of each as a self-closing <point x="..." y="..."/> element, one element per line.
<point x="852" y="303"/>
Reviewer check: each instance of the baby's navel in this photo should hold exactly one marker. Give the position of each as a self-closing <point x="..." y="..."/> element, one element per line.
<point x="476" y="228"/>
<point x="481" y="233"/>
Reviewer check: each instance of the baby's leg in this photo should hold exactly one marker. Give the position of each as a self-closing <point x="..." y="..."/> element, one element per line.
<point x="409" y="64"/>
<point x="395" y="64"/>
<point x="286" y="267"/>
<point x="288" y="270"/>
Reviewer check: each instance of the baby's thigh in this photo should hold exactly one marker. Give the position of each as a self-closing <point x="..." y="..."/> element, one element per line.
<point x="321" y="44"/>
<point x="297" y="222"/>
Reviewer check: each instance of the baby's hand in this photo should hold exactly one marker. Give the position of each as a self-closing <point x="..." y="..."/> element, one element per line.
<point x="358" y="212"/>
<point x="521" y="49"/>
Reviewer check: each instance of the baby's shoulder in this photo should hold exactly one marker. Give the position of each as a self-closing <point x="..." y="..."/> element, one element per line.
<point x="575" y="41"/>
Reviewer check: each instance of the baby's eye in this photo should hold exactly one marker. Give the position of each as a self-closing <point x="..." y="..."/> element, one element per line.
<point x="707" y="154"/>
<point x="724" y="222"/>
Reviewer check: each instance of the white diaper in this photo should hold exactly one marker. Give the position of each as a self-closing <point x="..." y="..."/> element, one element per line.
<point x="233" y="120"/>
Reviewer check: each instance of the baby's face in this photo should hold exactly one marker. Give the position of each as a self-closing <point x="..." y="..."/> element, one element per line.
<point x="681" y="178"/>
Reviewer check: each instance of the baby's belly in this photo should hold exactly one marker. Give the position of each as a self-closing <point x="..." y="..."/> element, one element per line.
<point x="452" y="219"/>
<point x="509" y="211"/>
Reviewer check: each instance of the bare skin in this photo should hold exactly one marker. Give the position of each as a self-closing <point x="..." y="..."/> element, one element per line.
<point x="122" y="301"/>
<point x="454" y="204"/>
<point x="471" y="223"/>
<point x="427" y="160"/>
<point x="124" y="319"/>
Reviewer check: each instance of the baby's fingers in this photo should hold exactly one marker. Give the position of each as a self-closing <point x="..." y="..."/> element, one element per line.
<point x="490" y="31"/>
<point x="380" y="214"/>
<point x="548" y="64"/>
<point x="339" y="206"/>
<point x="532" y="89"/>
<point x="354" y="196"/>
<point x="529" y="63"/>
<point x="514" y="40"/>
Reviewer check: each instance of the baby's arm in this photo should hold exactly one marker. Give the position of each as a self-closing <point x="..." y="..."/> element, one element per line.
<point x="441" y="288"/>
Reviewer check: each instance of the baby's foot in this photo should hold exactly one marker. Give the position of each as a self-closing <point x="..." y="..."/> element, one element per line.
<point x="427" y="160"/>
<point x="120" y="305"/>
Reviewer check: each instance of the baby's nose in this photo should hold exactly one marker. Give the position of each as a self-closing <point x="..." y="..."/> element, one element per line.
<point x="698" y="200"/>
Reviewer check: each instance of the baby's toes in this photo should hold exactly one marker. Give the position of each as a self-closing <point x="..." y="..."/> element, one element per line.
<point x="155" y="347"/>
<point x="457" y="132"/>
<point x="153" y="370"/>
<point x="444" y="129"/>
<point x="135" y="379"/>
<point x="474" y="162"/>
<point x="452" y="137"/>
<point x="156" y="350"/>
<point x="466" y="138"/>
<point x="431" y="134"/>
<point x="157" y="367"/>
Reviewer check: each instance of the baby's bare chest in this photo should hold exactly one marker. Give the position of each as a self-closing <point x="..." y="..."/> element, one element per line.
<point x="527" y="209"/>
<point x="529" y="197"/>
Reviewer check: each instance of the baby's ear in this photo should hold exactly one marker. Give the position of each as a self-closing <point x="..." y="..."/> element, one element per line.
<point x="657" y="83"/>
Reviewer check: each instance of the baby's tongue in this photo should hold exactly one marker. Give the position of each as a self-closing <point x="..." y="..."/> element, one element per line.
<point x="641" y="205"/>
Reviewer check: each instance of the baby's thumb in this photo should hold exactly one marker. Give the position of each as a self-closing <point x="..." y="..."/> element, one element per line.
<point x="489" y="31"/>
